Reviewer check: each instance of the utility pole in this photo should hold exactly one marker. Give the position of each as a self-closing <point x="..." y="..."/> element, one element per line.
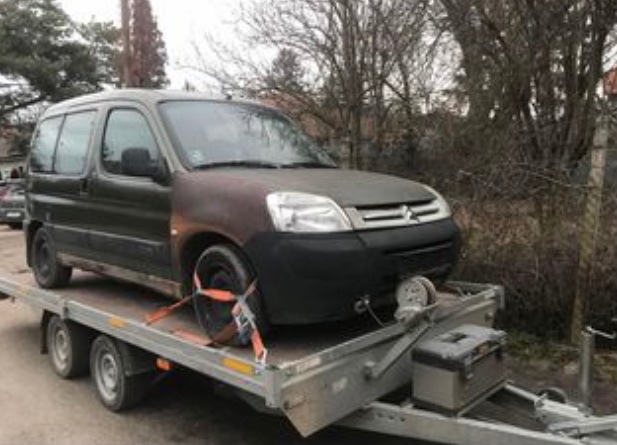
<point x="125" y="12"/>
<point x="591" y="220"/>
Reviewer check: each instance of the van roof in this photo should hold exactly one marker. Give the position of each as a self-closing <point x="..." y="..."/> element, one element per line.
<point x="142" y="95"/>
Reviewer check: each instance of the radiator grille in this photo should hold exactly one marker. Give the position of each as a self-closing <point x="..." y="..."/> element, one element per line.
<point x="397" y="215"/>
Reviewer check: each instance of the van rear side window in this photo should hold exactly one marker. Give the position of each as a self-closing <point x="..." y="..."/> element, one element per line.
<point x="44" y="144"/>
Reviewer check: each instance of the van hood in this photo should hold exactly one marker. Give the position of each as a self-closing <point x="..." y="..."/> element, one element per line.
<point x="345" y="187"/>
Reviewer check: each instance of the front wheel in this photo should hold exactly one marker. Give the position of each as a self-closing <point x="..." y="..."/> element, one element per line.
<point x="48" y="271"/>
<point x="223" y="267"/>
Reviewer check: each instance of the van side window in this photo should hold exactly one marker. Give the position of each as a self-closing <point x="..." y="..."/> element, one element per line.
<point x="44" y="144"/>
<point x="126" y="129"/>
<point x="72" y="151"/>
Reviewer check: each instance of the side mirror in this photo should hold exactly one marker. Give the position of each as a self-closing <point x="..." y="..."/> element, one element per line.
<point x="137" y="162"/>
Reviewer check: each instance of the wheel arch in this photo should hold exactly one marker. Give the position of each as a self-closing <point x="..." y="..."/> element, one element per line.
<point x="193" y="247"/>
<point x="45" y="317"/>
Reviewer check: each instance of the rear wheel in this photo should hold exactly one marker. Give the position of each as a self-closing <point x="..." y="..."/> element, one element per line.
<point x="116" y="389"/>
<point x="223" y="267"/>
<point x="68" y="345"/>
<point x="15" y="225"/>
<point x="48" y="271"/>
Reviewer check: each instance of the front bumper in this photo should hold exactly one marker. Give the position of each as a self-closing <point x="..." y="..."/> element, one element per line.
<point x="312" y="278"/>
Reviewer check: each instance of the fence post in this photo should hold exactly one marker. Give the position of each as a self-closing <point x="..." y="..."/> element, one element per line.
<point x="589" y="230"/>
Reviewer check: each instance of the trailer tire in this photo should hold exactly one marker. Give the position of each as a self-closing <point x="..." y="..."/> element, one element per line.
<point x="115" y="388"/>
<point x="68" y="345"/>
<point x="223" y="267"/>
<point x="48" y="271"/>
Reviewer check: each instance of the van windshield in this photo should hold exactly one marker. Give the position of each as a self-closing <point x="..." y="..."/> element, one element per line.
<point x="217" y="134"/>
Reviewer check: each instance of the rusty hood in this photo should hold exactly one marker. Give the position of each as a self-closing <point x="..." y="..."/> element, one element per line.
<point x="232" y="201"/>
<point x="346" y="187"/>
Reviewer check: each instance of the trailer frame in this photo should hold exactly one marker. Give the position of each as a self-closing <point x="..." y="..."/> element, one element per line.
<point x="340" y="384"/>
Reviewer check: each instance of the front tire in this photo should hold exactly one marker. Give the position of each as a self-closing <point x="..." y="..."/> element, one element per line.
<point x="48" y="271"/>
<point x="223" y="267"/>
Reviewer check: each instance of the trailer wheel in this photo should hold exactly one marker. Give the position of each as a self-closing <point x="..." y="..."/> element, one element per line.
<point x="48" y="271"/>
<point x="68" y="345"/>
<point x="115" y="388"/>
<point x="223" y="267"/>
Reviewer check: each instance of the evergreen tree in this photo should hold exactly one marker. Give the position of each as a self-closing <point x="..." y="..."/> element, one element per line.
<point x="148" y="54"/>
<point x="286" y="72"/>
<point x="46" y="57"/>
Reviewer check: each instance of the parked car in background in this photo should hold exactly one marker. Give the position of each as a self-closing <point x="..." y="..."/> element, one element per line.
<point x="160" y="188"/>
<point x="12" y="204"/>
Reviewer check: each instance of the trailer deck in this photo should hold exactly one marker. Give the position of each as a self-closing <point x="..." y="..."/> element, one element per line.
<point x="345" y="373"/>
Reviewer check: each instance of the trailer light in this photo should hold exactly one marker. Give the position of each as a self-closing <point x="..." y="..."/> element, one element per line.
<point x="116" y="322"/>
<point x="238" y="366"/>
<point x="164" y="364"/>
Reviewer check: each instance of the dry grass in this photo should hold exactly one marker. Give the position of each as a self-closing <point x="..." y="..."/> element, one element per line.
<point x="531" y="247"/>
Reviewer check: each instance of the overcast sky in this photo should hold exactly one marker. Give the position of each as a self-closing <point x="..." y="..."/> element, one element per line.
<point x="182" y="22"/>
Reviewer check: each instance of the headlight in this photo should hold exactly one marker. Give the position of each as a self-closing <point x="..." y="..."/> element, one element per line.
<point x="444" y="208"/>
<point x="302" y="212"/>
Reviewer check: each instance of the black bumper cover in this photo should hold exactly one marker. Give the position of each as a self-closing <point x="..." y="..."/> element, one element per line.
<point x="312" y="278"/>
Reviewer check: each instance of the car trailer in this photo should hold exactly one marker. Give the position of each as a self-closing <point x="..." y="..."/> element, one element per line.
<point x="435" y="373"/>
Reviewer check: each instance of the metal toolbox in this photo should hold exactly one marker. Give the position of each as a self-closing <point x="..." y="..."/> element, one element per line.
<point x="458" y="368"/>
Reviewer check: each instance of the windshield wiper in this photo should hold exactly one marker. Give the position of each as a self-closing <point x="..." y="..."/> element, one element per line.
<point x="245" y="163"/>
<point x="309" y="164"/>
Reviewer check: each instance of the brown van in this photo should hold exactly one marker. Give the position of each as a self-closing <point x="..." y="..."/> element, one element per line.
<point x="156" y="187"/>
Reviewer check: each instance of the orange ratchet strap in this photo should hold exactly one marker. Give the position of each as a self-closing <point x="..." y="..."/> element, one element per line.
<point x="165" y="311"/>
<point x="243" y="318"/>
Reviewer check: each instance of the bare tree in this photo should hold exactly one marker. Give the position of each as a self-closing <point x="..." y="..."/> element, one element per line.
<point x="532" y="68"/>
<point x="348" y="62"/>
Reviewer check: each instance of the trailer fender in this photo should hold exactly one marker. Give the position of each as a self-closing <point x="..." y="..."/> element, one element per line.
<point x="136" y="360"/>
<point x="43" y="327"/>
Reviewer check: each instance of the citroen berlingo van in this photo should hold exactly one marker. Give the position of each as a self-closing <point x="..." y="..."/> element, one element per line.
<point x="159" y="187"/>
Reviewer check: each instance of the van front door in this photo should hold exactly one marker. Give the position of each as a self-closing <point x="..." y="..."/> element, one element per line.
<point x="132" y="213"/>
